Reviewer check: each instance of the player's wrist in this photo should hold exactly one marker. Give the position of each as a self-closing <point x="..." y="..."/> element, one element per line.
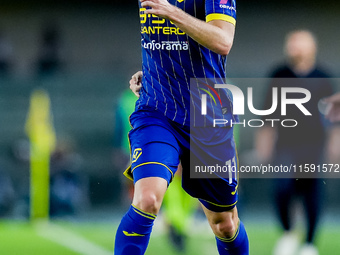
<point x="175" y="14"/>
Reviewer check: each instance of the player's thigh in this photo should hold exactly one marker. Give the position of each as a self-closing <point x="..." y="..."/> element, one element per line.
<point x="155" y="158"/>
<point x="155" y="153"/>
<point x="217" y="191"/>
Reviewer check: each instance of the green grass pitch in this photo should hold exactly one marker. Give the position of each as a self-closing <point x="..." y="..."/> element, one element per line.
<point x="23" y="238"/>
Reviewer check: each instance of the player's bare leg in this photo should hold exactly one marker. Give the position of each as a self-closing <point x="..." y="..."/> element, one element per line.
<point x="230" y="233"/>
<point x="223" y="224"/>
<point x="149" y="194"/>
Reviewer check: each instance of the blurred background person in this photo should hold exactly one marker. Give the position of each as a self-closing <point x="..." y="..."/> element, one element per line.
<point x="49" y="59"/>
<point x="303" y="144"/>
<point x="178" y="208"/>
<point x="333" y="113"/>
<point x="6" y="55"/>
<point x="68" y="183"/>
<point x="7" y="193"/>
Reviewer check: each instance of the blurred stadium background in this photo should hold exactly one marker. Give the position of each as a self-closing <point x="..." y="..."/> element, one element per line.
<point x="83" y="53"/>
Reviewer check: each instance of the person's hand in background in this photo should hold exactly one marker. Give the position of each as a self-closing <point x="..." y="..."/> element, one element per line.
<point x="333" y="114"/>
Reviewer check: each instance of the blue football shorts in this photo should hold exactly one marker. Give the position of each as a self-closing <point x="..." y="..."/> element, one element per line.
<point x="158" y="145"/>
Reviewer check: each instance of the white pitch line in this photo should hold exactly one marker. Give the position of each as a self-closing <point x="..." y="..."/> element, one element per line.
<point x="70" y="240"/>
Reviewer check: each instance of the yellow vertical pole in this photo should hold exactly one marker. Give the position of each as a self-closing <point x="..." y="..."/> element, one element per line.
<point x="39" y="128"/>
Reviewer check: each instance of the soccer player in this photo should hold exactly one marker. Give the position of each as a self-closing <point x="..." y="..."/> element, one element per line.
<point x="303" y="144"/>
<point x="181" y="39"/>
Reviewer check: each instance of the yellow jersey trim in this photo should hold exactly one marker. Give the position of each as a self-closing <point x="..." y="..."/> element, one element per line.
<point x="238" y="169"/>
<point x="127" y="173"/>
<point x="218" y="204"/>
<point x="149" y="214"/>
<point x="156" y="163"/>
<point x="228" y="240"/>
<point x="143" y="215"/>
<point x="220" y="16"/>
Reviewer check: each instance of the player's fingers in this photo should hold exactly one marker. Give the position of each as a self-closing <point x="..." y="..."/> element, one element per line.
<point x="133" y="82"/>
<point x="148" y="3"/>
<point x="136" y="76"/>
<point x="135" y="89"/>
<point x="133" y="86"/>
<point x="143" y="1"/>
<point x="136" y="79"/>
<point x="155" y="12"/>
<point x="134" y="92"/>
<point x="139" y="74"/>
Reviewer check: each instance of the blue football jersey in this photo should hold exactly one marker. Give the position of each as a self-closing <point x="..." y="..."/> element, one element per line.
<point x="170" y="59"/>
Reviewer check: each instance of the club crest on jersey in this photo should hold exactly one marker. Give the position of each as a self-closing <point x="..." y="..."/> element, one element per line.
<point x="136" y="154"/>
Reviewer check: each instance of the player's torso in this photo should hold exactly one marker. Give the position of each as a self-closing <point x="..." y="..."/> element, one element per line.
<point x="171" y="59"/>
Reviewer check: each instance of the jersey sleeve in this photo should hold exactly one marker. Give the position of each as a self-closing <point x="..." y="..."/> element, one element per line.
<point x="221" y="10"/>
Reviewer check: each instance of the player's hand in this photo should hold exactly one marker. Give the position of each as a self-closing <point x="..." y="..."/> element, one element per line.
<point x="136" y="82"/>
<point x="160" y="8"/>
<point x="334" y="112"/>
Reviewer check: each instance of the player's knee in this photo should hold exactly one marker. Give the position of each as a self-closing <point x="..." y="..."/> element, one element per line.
<point x="149" y="202"/>
<point x="226" y="228"/>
